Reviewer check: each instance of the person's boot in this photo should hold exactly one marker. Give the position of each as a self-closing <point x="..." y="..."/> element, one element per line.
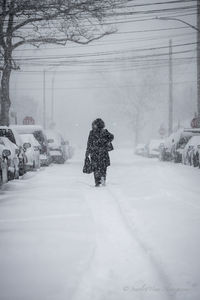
<point x="103" y="181"/>
<point x="97" y="182"/>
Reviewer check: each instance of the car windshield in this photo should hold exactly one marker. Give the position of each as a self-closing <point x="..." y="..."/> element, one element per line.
<point x="39" y="137"/>
<point x="183" y="141"/>
<point x="9" y="134"/>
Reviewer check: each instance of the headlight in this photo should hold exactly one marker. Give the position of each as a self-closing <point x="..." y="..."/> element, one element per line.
<point x="6" y="153"/>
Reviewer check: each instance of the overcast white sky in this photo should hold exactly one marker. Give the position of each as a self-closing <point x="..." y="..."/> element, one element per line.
<point x="84" y="90"/>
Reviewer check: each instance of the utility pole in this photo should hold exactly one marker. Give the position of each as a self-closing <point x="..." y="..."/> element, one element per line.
<point x="171" y="104"/>
<point x="52" y="99"/>
<point x="197" y="28"/>
<point x="44" y="99"/>
<point x="198" y="58"/>
<point x="137" y="120"/>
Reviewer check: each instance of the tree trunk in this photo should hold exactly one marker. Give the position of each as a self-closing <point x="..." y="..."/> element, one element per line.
<point x="5" y="97"/>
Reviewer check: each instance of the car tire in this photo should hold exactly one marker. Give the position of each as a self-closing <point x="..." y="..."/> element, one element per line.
<point x="22" y="171"/>
<point x="33" y="167"/>
<point x="198" y="160"/>
<point x="61" y="160"/>
<point x="11" y="176"/>
<point x="1" y="178"/>
<point x="195" y="161"/>
<point x="177" y="158"/>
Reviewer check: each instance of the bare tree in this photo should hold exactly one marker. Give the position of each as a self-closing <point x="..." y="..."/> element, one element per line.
<point x="137" y="103"/>
<point x="38" y="22"/>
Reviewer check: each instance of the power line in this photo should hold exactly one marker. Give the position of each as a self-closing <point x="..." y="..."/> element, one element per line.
<point x="173" y="10"/>
<point x="105" y="60"/>
<point x="145" y="64"/>
<point x="101" y="53"/>
<point x="156" y="3"/>
<point x="110" y="68"/>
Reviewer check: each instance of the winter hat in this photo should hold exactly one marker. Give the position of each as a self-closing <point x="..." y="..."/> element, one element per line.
<point x="99" y="123"/>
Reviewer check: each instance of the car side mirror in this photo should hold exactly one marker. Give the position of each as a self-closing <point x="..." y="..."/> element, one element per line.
<point x="6" y="152"/>
<point x="26" y="145"/>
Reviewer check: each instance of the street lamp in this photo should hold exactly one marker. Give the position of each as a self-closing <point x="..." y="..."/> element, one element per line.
<point x="179" y="20"/>
<point x="52" y="95"/>
<point x="44" y="99"/>
<point x="197" y="28"/>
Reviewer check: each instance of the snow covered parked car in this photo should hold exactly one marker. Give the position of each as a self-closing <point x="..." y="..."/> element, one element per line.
<point x="14" y="137"/>
<point x="4" y="154"/>
<point x="191" y="153"/>
<point x="12" y="159"/>
<point x="38" y="132"/>
<point x="153" y="148"/>
<point x="32" y="148"/>
<point x="174" y="145"/>
<point x="141" y="149"/>
<point x="59" y="149"/>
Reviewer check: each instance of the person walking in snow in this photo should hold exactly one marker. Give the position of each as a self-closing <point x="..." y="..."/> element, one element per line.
<point x="98" y="145"/>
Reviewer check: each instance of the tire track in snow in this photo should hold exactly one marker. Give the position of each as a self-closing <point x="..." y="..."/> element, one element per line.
<point x="145" y="248"/>
<point x="120" y="268"/>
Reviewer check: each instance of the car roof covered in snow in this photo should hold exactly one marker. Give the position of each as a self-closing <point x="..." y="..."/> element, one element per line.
<point x="181" y="133"/>
<point x="27" y="128"/>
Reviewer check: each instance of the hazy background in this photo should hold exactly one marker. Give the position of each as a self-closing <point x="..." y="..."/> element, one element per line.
<point x="114" y="78"/>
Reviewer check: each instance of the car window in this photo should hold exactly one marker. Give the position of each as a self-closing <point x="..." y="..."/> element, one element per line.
<point x="9" y="134"/>
<point x="39" y="136"/>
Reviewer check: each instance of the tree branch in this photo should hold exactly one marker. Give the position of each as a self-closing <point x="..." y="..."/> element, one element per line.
<point x="60" y="41"/>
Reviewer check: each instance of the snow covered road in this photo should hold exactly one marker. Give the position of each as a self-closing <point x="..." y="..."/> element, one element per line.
<point x="137" y="238"/>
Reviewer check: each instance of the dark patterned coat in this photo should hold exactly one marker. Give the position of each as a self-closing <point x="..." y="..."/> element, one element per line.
<point x="98" y="147"/>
